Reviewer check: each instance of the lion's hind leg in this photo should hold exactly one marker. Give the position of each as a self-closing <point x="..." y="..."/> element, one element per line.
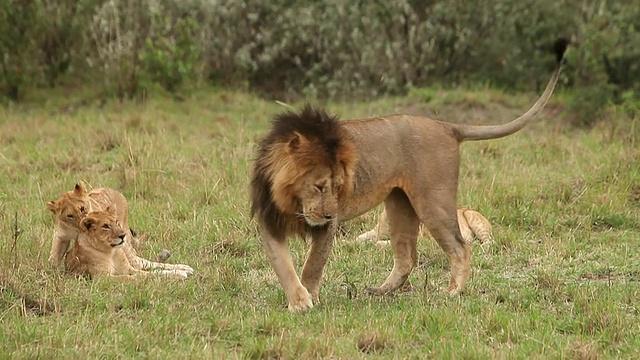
<point x="440" y="218"/>
<point x="403" y="226"/>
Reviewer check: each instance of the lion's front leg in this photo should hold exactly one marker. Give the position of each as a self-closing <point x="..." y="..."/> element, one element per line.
<point x="321" y="245"/>
<point x="59" y="246"/>
<point x="278" y="254"/>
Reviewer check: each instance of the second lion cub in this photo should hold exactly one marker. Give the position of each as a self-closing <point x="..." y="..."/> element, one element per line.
<point x="471" y="223"/>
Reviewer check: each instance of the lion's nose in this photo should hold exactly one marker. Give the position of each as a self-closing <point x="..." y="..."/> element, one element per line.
<point x="121" y="236"/>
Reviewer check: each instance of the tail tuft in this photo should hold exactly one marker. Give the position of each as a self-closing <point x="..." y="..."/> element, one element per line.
<point x="560" y="47"/>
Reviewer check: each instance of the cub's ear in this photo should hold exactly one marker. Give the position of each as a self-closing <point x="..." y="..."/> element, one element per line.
<point x="53" y="206"/>
<point x="111" y="210"/>
<point x="298" y="141"/>
<point x="87" y="223"/>
<point x="80" y="189"/>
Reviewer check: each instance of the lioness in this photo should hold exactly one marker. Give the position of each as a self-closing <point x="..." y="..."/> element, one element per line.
<point x="100" y="249"/>
<point x="74" y="205"/>
<point x="471" y="222"/>
<point x="313" y="170"/>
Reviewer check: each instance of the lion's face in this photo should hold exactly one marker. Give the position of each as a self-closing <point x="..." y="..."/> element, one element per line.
<point x="103" y="230"/>
<point x="303" y="171"/>
<point x="318" y="195"/>
<point x="72" y="206"/>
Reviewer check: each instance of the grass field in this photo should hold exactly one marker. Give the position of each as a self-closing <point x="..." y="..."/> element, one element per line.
<point x="561" y="280"/>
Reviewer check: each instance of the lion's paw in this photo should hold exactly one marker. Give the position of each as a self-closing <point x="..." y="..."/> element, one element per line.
<point x="186" y="268"/>
<point x="377" y="291"/>
<point x="178" y="274"/>
<point x="453" y="289"/>
<point x="368" y="236"/>
<point x="302" y="301"/>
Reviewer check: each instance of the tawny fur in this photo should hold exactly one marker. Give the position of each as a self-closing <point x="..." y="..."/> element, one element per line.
<point x="472" y="224"/>
<point x="312" y="171"/>
<point x="100" y="250"/>
<point x="73" y="206"/>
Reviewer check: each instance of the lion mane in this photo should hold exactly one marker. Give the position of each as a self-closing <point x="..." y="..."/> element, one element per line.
<point x="277" y="169"/>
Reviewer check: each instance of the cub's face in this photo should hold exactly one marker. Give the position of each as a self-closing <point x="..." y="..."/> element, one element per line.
<point x="103" y="230"/>
<point x="72" y="207"/>
<point x="318" y="195"/>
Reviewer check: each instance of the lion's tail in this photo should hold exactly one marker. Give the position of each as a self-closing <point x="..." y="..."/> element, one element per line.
<point x="474" y="132"/>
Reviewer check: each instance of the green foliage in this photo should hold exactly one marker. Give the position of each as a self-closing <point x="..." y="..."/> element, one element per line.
<point x="332" y="49"/>
<point x="16" y="26"/>
<point x="588" y="104"/>
<point x="170" y="55"/>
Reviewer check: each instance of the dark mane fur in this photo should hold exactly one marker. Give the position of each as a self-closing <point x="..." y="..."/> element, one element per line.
<point x="315" y="125"/>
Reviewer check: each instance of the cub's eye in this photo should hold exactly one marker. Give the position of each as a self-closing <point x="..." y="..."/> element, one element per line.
<point x="320" y="188"/>
<point x="70" y="217"/>
<point x="106" y="226"/>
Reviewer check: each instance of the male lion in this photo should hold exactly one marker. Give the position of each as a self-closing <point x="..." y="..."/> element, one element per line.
<point x="100" y="250"/>
<point x="471" y="222"/>
<point x="72" y="207"/>
<point x="312" y="171"/>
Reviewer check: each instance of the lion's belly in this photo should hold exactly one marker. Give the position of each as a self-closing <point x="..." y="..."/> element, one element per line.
<point x="369" y="191"/>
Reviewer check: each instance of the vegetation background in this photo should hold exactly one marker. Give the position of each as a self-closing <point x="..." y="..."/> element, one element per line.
<point x="164" y="100"/>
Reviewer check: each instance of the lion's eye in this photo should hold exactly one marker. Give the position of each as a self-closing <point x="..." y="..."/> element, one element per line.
<point x="106" y="226"/>
<point x="70" y="217"/>
<point x="82" y="209"/>
<point x="320" y="188"/>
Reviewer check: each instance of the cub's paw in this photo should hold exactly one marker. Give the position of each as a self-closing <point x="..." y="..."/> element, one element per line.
<point x="54" y="261"/>
<point x="186" y="268"/>
<point x="368" y="236"/>
<point x="176" y="274"/>
<point x="454" y="288"/>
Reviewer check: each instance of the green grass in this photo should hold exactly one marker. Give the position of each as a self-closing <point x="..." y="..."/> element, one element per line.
<point x="560" y="281"/>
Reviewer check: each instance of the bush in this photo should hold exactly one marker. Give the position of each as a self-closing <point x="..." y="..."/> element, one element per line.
<point x="16" y="25"/>
<point x="331" y="49"/>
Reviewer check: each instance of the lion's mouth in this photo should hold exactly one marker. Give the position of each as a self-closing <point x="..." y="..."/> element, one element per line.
<point x="120" y="242"/>
<point x="316" y="221"/>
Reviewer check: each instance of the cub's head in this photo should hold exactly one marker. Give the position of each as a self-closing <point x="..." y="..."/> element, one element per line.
<point x="303" y="170"/>
<point x="103" y="230"/>
<point x="71" y="207"/>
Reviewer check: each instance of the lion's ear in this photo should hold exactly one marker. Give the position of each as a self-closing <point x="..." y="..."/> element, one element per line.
<point x="111" y="209"/>
<point x="80" y="189"/>
<point x="87" y="223"/>
<point x="298" y="141"/>
<point x="53" y="206"/>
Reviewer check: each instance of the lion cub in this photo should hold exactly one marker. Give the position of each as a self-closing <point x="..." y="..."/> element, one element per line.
<point x="470" y="221"/>
<point x="73" y="206"/>
<point x="100" y="249"/>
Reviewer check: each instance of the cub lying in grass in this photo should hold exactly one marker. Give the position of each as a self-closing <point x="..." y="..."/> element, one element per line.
<point x="73" y="206"/>
<point x="471" y="223"/>
<point x="100" y="250"/>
